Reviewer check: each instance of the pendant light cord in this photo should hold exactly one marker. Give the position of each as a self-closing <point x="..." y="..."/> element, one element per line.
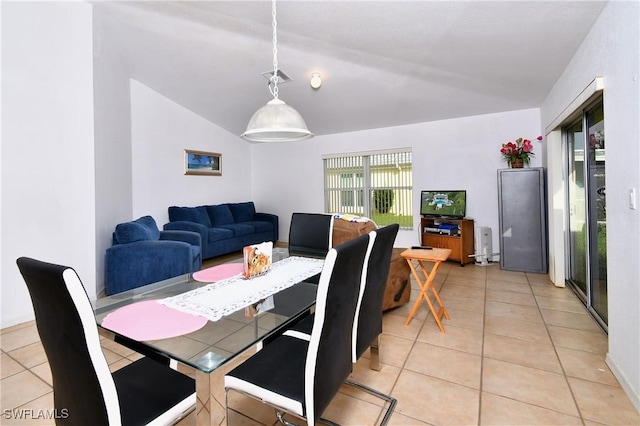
<point x="274" y="79"/>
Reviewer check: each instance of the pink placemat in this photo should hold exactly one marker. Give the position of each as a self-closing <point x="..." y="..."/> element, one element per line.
<point x="217" y="273"/>
<point x="149" y="320"/>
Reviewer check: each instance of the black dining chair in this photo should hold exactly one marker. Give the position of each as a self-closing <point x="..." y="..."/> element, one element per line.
<point x="300" y="376"/>
<point x="85" y="392"/>
<point x="310" y="234"/>
<point x="367" y="326"/>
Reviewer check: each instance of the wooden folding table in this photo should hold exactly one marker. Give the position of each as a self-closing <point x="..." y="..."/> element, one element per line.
<point x="436" y="256"/>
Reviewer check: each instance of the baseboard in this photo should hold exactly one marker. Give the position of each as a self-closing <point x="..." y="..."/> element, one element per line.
<point x="634" y="397"/>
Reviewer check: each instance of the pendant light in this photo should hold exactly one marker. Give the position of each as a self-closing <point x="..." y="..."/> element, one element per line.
<point x="276" y="121"/>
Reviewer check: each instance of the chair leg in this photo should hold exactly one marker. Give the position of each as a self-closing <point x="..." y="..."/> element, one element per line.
<point x="374" y="352"/>
<point x="391" y="400"/>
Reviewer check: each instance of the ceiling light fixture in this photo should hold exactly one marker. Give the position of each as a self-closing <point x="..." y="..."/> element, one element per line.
<point x="316" y="81"/>
<point x="276" y="121"/>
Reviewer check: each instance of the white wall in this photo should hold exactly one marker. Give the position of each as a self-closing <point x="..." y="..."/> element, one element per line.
<point x="48" y="205"/>
<point x="161" y="131"/>
<point x="611" y="49"/>
<point x="461" y="153"/>
<point x="112" y="112"/>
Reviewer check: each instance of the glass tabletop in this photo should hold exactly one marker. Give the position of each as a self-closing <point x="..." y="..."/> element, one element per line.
<point x="218" y="341"/>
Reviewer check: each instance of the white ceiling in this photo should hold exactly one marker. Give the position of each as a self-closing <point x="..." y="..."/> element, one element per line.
<point x="383" y="63"/>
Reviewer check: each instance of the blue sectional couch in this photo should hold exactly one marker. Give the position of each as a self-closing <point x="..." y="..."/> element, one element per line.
<point x="141" y="254"/>
<point x="224" y="228"/>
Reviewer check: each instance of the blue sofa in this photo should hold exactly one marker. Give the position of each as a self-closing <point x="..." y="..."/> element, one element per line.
<point x="141" y="254"/>
<point x="224" y="228"/>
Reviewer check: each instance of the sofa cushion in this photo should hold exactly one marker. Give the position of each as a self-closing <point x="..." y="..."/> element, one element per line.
<point x="242" y="212"/>
<point x="260" y="225"/>
<point x="190" y="214"/>
<point x="240" y="229"/>
<point x="142" y="229"/>
<point x="219" y="234"/>
<point x="220" y="215"/>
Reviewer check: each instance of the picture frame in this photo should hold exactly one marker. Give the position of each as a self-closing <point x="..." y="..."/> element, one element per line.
<point x="202" y="163"/>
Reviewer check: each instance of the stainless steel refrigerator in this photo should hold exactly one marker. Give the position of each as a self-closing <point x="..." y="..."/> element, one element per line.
<point x="522" y="216"/>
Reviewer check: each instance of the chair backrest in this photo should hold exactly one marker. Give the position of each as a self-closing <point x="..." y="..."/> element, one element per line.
<point x="310" y="234"/>
<point x="329" y="359"/>
<point x="368" y="321"/>
<point x="82" y="384"/>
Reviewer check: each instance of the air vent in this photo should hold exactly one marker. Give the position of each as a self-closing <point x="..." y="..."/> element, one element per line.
<point x="282" y="76"/>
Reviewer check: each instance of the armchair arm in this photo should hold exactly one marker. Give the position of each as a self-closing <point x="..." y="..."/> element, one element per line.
<point x="140" y="263"/>
<point x="268" y="217"/>
<point x="190" y="237"/>
<point x="183" y="225"/>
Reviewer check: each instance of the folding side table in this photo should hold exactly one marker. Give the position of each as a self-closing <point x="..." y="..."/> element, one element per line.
<point x="437" y="256"/>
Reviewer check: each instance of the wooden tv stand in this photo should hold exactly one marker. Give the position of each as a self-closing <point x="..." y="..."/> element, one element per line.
<point x="460" y="241"/>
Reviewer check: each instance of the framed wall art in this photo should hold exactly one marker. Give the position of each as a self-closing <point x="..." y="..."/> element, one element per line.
<point x="202" y="163"/>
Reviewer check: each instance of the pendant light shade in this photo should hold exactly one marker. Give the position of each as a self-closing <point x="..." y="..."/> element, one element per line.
<point x="276" y="122"/>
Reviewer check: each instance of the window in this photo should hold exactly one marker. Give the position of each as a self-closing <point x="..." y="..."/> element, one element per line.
<point x="377" y="185"/>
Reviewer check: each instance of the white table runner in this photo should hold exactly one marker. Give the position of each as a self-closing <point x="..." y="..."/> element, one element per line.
<point x="216" y="300"/>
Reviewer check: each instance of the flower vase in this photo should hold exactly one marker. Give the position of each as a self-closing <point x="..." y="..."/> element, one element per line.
<point x="518" y="163"/>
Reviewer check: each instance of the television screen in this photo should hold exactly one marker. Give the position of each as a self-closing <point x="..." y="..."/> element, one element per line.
<point x="443" y="203"/>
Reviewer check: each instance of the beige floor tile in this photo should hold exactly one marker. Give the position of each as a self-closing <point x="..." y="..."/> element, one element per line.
<point x="256" y="411"/>
<point x="594" y="342"/>
<point x="560" y="304"/>
<point x="459" y="318"/>
<point x="115" y="366"/>
<point x="347" y="410"/>
<point x="398" y="419"/>
<point x="538" y="279"/>
<point x="382" y="381"/>
<point x="116" y="347"/>
<point x="30" y="355"/>
<point x="509" y="286"/>
<point x="465" y="304"/>
<point x="20" y="337"/>
<point x="394" y="326"/>
<point x="553" y="291"/>
<point x="44" y="372"/>
<point x="403" y="311"/>
<point x="498" y="410"/>
<point x="111" y="356"/>
<point x="183" y="345"/>
<point x="38" y="412"/>
<point x="469" y="281"/>
<point x="603" y="403"/>
<point x="529" y="385"/>
<point x="460" y="291"/>
<point x="454" y="269"/>
<point x="436" y="401"/>
<point x="462" y="339"/>
<point x="534" y="354"/>
<point x="511" y="297"/>
<point x="22" y="388"/>
<point x="8" y="366"/>
<point x="570" y="320"/>
<point x="15" y="327"/>
<point x="516" y="328"/>
<point x="394" y="350"/>
<point x="503" y="275"/>
<point x="527" y="313"/>
<point x="447" y="364"/>
<point x="587" y="366"/>
<point x="135" y="356"/>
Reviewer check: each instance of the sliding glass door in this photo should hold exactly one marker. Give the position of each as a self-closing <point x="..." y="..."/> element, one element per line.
<point x="587" y="229"/>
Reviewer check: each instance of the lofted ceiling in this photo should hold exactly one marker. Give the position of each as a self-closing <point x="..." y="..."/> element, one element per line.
<point x="383" y="63"/>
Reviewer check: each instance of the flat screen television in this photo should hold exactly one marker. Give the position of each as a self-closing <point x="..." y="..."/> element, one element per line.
<point x="451" y="204"/>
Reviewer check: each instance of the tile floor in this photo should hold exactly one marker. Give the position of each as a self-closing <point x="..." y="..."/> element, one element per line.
<point x="516" y="351"/>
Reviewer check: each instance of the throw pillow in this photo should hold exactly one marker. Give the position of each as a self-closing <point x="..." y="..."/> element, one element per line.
<point x="220" y="215"/>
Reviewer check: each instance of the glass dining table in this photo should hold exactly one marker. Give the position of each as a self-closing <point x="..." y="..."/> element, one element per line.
<point x="204" y="352"/>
